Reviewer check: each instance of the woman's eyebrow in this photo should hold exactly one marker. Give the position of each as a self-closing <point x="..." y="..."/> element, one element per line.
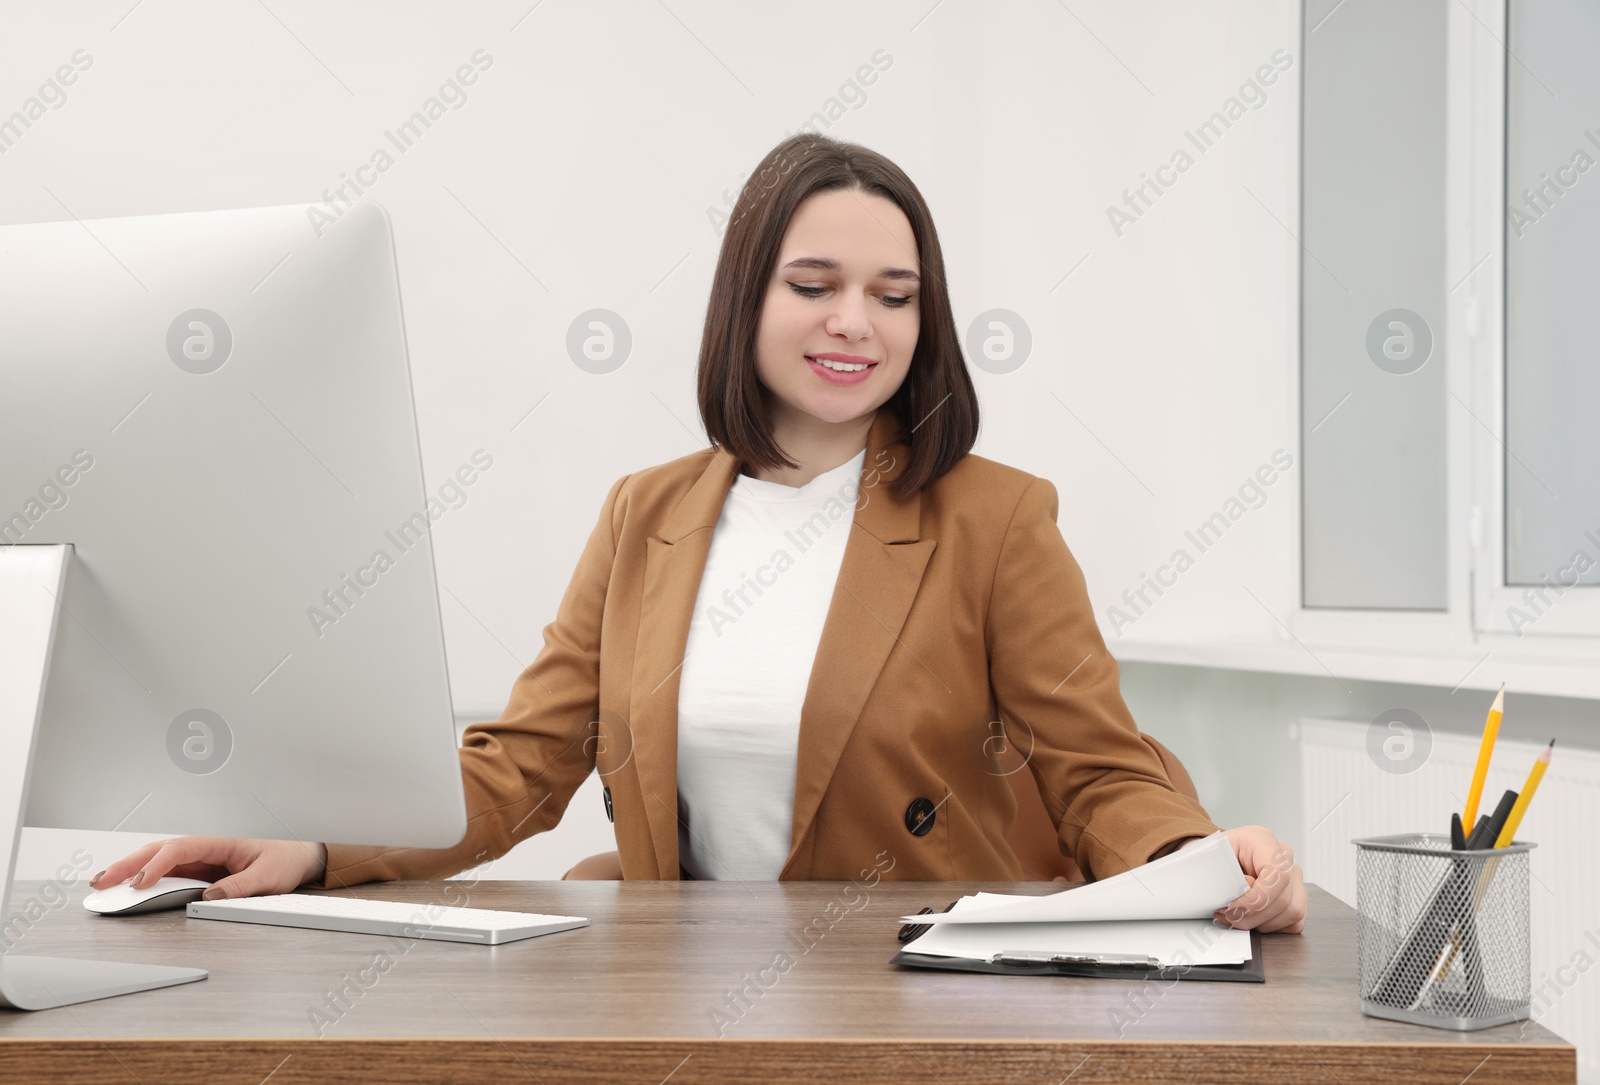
<point x="826" y="263"/>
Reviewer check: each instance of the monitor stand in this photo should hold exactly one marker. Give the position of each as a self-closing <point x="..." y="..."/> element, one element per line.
<point x="32" y="580"/>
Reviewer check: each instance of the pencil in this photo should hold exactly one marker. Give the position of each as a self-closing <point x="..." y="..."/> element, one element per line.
<point x="1535" y="774"/>
<point x="1491" y="731"/>
<point x="1486" y="875"/>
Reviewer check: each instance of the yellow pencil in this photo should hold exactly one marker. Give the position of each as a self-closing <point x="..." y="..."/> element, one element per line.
<point x="1486" y="875"/>
<point x="1491" y="730"/>
<point x="1520" y="807"/>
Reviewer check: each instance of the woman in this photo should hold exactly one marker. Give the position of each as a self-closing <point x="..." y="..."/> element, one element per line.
<point x="783" y="653"/>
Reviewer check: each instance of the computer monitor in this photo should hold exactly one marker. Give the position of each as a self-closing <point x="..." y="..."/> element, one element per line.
<point x="218" y="607"/>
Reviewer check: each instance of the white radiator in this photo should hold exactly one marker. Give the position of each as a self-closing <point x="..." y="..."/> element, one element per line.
<point x="1347" y="795"/>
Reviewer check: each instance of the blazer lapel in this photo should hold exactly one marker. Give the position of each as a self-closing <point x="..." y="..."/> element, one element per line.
<point x="675" y="560"/>
<point x="882" y="571"/>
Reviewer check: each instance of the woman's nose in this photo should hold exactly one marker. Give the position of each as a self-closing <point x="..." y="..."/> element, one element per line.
<point x="849" y="318"/>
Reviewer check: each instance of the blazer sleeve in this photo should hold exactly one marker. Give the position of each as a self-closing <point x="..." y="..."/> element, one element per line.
<point x="520" y="771"/>
<point x="1056" y="685"/>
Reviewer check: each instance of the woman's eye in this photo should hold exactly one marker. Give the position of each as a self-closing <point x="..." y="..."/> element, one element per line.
<point x="891" y="300"/>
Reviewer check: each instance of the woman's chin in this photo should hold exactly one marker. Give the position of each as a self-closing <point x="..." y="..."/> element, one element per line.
<point x="833" y="410"/>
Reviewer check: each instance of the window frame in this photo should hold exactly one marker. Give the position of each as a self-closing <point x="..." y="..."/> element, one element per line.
<point x="1576" y="613"/>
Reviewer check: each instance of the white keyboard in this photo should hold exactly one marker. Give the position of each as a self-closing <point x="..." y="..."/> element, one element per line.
<point x="400" y="919"/>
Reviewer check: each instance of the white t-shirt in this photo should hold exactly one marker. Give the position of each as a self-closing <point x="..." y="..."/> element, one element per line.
<point x="769" y="579"/>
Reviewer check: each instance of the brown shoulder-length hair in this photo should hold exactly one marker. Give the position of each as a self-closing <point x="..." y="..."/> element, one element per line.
<point x="936" y="405"/>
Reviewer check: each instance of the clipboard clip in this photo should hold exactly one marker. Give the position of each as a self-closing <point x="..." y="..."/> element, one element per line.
<point x="1102" y="960"/>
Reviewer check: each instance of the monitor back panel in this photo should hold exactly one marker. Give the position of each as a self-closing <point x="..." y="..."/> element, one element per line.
<point x="216" y="410"/>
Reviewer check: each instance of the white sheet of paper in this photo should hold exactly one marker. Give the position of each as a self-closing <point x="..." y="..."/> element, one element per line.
<point x="1173" y="942"/>
<point x="1190" y="883"/>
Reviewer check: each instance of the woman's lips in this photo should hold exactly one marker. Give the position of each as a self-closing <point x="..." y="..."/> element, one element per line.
<point x="834" y="376"/>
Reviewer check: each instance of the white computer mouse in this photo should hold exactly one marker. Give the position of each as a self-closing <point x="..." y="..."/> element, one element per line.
<point x="165" y="893"/>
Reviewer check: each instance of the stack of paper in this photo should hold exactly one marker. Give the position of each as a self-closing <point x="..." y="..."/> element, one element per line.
<point x="1162" y="910"/>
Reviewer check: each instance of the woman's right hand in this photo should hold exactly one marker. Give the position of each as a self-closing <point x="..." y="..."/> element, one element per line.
<point x="236" y="868"/>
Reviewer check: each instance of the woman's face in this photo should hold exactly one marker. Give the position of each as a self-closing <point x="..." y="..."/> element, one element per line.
<point x="845" y="285"/>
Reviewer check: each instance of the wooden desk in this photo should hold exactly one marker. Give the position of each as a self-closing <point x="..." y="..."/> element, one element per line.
<point x="636" y="997"/>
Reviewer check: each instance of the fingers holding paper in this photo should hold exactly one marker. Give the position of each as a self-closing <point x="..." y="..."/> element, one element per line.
<point x="1276" y="899"/>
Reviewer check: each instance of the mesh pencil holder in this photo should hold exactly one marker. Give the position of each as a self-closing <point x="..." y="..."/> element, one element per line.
<point x="1442" y="935"/>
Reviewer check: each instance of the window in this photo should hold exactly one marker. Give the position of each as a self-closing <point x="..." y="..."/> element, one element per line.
<point x="1450" y="380"/>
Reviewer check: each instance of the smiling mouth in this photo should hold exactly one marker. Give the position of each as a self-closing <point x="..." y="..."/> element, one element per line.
<point x="840" y="367"/>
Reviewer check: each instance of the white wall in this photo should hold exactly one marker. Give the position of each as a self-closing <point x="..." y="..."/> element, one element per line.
<point x="1173" y="344"/>
<point x="592" y="149"/>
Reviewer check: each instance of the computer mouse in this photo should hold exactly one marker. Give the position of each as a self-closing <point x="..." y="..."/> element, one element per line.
<point x="124" y="899"/>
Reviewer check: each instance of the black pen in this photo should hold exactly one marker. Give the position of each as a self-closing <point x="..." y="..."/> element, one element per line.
<point x="1458" y="838"/>
<point x="912" y="931"/>
<point x="1497" y="820"/>
<point x="1488" y="828"/>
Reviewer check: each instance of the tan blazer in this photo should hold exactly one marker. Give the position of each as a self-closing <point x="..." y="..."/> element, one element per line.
<point x="956" y="604"/>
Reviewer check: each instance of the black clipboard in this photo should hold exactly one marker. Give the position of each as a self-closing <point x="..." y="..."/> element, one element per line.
<point x="1251" y="971"/>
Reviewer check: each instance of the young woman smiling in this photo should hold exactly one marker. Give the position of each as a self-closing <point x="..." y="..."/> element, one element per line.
<point x="831" y="713"/>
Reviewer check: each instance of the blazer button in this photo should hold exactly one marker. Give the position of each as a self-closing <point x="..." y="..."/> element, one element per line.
<point x="919" y="817"/>
<point x="605" y="793"/>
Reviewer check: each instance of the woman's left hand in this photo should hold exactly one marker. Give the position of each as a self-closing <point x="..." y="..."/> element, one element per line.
<point x="1276" y="899"/>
